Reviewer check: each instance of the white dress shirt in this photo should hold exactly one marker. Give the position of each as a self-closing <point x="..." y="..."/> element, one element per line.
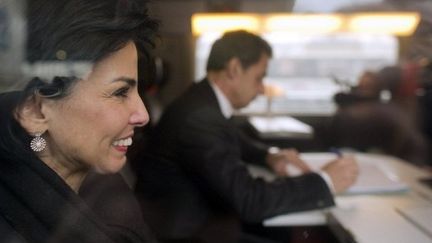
<point x="224" y="103"/>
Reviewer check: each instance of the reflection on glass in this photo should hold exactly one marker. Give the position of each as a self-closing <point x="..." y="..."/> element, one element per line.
<point x="310" y="69"/>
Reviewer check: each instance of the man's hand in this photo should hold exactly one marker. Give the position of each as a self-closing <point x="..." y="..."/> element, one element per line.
<point x="343" y="172"/>
<point x="279" y="161"/>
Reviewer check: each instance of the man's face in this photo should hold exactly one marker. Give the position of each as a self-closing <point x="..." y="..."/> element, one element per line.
<point x="249" y="83"/>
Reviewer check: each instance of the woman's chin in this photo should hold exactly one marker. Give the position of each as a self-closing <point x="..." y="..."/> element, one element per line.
<point x="112" y="167"/>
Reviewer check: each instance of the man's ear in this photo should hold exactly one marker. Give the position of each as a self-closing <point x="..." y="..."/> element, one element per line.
<point x="234" y="68"/>
<point x="30" y="115"/>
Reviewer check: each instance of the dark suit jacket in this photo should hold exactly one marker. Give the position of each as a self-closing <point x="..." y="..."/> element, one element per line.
<point x="197" y="168"/>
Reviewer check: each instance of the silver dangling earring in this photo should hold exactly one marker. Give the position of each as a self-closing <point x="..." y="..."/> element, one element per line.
<point x="38" y="143"/>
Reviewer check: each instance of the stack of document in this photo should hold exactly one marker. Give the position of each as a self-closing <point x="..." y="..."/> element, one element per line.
<point x="280" y="126"/>
<point x="373" y="177"/>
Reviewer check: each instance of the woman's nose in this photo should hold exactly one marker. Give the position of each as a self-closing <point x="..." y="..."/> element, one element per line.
<point x="140" y="116"/>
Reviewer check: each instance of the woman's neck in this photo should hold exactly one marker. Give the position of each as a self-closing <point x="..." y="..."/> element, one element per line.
<point x="72" y="175"/>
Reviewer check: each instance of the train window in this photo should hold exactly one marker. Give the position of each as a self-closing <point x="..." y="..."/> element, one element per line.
<point x="310" y="69"/>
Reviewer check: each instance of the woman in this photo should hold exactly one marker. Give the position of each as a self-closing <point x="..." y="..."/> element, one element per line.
<point x="58" y="129"/>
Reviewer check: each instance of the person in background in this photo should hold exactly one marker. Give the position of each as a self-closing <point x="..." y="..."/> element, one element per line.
<point x="381" y="114"/>
<point x="67" y="124"/>
<point x="367" y="90"/>
<point x="193" y="182"/>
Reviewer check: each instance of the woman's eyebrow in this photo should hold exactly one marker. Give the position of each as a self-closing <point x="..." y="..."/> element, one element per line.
<point x="132" y="82"/>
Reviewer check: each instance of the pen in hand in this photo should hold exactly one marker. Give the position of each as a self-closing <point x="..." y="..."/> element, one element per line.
<point x="343" y="171"/>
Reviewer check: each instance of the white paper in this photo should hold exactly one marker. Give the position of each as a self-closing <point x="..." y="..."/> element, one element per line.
<point x="280" y="124"/>
<point x="372" y="177"/>
<point x="310" y="218"/>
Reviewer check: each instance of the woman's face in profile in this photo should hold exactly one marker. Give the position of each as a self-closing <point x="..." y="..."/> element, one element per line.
<point x="94" y="124"/>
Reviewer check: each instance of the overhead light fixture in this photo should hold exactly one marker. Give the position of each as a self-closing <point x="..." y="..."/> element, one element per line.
<point x="202" y="23"/>
<point x="303" y="23"/>
<point x="392" y="23"/>
<point x="402" y="24"/>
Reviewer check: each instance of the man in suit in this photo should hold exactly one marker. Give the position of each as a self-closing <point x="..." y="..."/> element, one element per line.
<point x="196" y="184"/>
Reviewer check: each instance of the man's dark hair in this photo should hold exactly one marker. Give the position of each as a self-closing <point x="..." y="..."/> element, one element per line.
<point x="245" y="46"/>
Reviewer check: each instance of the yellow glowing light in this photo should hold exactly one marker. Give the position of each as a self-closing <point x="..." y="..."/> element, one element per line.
<point x="202" y="23"/>
<point x="401" y="24"/>
<point x="393" y="23"/>
<point x="272" y="90"/>
<point x="304" y="23"/>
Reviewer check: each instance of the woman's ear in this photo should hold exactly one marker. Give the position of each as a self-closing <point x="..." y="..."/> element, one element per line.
<point x="30" y="115"/>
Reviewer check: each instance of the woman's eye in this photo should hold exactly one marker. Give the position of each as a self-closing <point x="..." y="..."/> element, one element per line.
<point x="122" y="92"/>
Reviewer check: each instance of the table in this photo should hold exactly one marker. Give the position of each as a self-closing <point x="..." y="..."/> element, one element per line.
<point x="377" y="217"/>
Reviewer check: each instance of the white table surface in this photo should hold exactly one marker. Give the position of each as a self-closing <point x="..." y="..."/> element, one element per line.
<point x="373" y="217"/>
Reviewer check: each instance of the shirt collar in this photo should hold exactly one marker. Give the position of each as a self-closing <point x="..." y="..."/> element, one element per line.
<point x="224" y="104"/>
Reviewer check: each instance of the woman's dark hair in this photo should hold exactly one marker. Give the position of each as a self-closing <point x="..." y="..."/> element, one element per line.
<point x="75" y="30"/>
<point x="245" y="46"/>
<point x="85" y="30"/>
